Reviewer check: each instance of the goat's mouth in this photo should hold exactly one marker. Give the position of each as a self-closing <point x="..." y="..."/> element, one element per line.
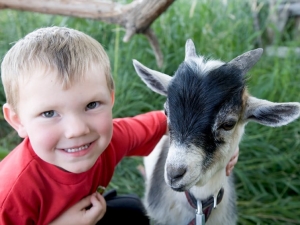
<point x="179" y="189"/>
<point x="180" y="186"/>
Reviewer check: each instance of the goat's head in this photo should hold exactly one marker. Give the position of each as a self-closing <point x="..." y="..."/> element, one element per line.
<point x="207" y="108"/>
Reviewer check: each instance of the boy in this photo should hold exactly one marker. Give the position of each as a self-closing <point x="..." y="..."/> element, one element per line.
<point x="60" y="96"/>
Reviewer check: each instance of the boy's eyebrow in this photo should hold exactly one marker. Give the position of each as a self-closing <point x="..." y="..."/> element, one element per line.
<point x="99" y="95"/>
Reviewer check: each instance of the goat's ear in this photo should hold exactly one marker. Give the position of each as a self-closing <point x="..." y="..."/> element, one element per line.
<point x="247" y="60"/>
<point x="270" y="113"/>
<point x="190" y="50"/>
<point x="155" y="80"/>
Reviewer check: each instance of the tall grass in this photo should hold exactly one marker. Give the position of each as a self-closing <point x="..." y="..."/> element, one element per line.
<point x="267" y="174"/>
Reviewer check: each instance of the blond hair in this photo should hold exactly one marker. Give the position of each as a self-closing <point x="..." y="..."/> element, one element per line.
<point x="67" y="51"/>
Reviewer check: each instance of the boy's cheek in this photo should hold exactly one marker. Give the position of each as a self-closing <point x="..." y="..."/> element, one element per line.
<point x="44" y="139"/>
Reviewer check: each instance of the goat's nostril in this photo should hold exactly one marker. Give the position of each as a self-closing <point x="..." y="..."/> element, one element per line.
<point x="175" y="173"/>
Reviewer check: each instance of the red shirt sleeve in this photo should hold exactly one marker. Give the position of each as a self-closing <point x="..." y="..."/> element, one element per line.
<point x="137" y="136"/>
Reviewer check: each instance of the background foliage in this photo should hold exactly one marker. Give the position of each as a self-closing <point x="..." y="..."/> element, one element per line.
<point x="267" y="174"/>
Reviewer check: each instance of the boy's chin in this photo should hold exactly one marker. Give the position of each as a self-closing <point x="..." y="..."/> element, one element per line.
<point x="77" y="167"/>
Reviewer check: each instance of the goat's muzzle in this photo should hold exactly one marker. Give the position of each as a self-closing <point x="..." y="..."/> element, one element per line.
<point x="175" y="175"/>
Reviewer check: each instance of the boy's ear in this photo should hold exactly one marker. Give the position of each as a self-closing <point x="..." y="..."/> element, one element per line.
<point x="113" y="97"/>
<point x="13" y="119"/>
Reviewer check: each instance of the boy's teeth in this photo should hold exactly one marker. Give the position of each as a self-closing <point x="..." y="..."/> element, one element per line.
<point x="77" y="149"/>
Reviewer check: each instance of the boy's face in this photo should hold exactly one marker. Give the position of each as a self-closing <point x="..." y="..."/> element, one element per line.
<point x="71" y="127"/>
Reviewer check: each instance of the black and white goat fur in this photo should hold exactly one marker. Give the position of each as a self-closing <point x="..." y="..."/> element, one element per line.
<point x="207" y="108"/>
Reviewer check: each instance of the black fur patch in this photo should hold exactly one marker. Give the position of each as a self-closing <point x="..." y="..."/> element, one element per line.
<point x="152" y="82"/>
<point x="194" y="99"/>
<point x="273" y="115"/>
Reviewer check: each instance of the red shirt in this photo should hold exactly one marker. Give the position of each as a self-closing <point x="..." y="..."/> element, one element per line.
<point x="33" y="191"/>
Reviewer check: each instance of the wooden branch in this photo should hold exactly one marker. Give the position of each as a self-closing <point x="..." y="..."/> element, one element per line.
<point x="255" y="9"/>
<point x="155" y="46"/>
<point x="135" y="17"/>
<point x="277" y="18"/>
<point x="280" y="12"/>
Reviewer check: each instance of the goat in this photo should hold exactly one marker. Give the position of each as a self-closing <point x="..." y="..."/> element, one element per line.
<point x="207" y="108"/>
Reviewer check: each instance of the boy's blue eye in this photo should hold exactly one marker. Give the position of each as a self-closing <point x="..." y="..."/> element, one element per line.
<point x="48" y="114"/>
<point x="92" y="105"/>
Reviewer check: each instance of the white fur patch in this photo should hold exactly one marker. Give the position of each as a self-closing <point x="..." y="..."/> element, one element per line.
<point x="204" y="65"/>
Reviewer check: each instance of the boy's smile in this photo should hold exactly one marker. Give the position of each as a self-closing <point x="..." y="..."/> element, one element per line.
<point x="68" y="127"/>
<point x="77" y="149"/>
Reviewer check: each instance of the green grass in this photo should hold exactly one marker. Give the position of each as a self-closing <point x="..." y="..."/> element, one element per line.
<point x="267" y="174"/>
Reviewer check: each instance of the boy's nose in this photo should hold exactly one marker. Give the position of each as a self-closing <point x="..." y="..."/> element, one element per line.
<point x="76" y="127"/>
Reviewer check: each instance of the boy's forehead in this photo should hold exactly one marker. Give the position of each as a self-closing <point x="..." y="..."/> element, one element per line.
<point x="45" y="87"/>
<point x="94" y="72"/>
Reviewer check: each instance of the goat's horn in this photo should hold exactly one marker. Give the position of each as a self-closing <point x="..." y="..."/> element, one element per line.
<point x="247" y="60"/>
<point x="190" y="50"/>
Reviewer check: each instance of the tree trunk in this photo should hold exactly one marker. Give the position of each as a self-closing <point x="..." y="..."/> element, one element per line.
<point x="135" y="17"/>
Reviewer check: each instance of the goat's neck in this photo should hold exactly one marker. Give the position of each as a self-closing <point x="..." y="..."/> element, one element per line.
<point x="212" y="187"/>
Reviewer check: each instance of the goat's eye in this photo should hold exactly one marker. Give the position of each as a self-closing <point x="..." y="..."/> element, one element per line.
<point x="228" y="125"/>
<point x="166" y="113"/>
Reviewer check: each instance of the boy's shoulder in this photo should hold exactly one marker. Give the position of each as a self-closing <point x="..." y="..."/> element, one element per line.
<point x="12" y="169"/>
<point x="17" y="158"/>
